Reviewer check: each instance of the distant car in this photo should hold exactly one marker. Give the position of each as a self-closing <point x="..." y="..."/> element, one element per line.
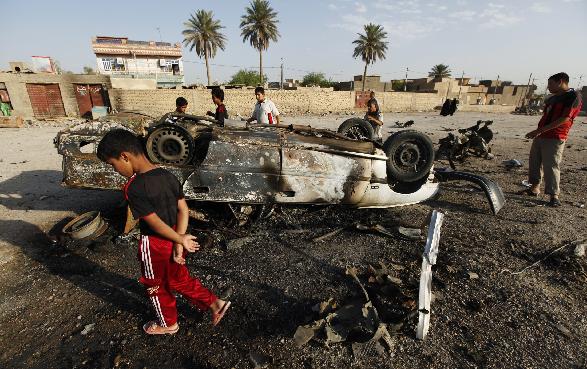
<point x="261" y="164"/>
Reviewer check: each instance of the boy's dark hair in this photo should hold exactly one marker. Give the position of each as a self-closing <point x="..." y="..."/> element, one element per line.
<point x="259" y="89"/>
<point x="181" y="101"/>
<point x="218" y="93"/>
<point x="562" y="76"/>
<point x="116" y="142"/>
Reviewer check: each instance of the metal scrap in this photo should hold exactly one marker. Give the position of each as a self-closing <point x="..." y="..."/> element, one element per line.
<point x="428" y="259"/>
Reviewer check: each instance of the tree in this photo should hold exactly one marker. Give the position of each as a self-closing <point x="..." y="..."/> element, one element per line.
<point x="370" y="46"/>
<point x="259" y="26"/>
<point x="397" y="85"/>
<point x="439" y="71"/>
<point x="315" y="79"/>
<point x="89" y="70"/>
<point x="245" y="77"/>
<point x="203" y="32"/>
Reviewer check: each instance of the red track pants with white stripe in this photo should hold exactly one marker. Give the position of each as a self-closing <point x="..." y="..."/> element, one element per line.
<point x="162" y="276"/>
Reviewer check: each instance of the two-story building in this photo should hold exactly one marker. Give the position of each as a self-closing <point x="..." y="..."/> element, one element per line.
<point x="119" y="57"/>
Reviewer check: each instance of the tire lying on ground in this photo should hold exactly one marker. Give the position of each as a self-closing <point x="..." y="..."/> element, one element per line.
<point x="410" y="156"/>
<point x="357" y="128"/>
<point x="170" y="144"/>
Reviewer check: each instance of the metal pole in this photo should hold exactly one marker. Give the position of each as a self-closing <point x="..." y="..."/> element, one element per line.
<point x="281" y="84"/>
<point x="579" y="83"/>
<point x="495" y="88"/>
<point x="527" y="89"/>
<point x="406" y="80"/>
<point x="461" y="86"/>
<point x="160" y="38"/>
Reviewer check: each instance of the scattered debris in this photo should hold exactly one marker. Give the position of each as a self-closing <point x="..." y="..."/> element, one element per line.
<point x="328" y="235"/>
<point x="428" y="260"/>
<point x="405" y="124"/>
<point x="86" y="226"/>
<point x="402" y="232"/>
<point x="574" y="243"/>
<point x="513" y="163"/>
<point x="88" y="328"/>
<point x="580" y="250"/>
<point x="238" y="242"/>
<point x="473" y="140"/>
<point x="11" y="122"/>
<point x="525" y="183"/>
<point x="198" y="215"/>
<point x="260" y="360"/>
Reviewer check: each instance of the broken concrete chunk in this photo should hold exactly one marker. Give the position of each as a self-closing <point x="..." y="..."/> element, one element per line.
<point x="88" y="328"/>
<point x="305" y="333"/>
<point x="473" y="275"/>
<point x="580" y="250"/>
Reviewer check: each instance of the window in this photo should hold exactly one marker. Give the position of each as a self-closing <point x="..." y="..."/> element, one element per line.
<point x="113" y="64"/>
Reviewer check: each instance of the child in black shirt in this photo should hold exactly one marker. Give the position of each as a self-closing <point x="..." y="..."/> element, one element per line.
<point x="156" y="198"/>
<point x="218" y="100"/>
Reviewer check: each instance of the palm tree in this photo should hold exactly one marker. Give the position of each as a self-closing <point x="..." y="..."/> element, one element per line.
<point x="439" y="71"/>
<point x="203" y="33"/>
<point x="259" y="26"/>
<point x="370" y="46"/>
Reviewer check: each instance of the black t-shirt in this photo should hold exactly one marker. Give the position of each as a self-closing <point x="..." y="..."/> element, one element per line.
<point x="155" y="191"/>
<point x="221" y="114"/>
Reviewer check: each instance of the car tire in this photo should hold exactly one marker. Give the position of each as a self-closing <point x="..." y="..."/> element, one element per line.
<point x="170" y="144"/>
<point x="410" y="156"/>
<point x="357" y="129"/>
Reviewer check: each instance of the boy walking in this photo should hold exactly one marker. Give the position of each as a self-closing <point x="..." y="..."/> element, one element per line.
<point x="156" y="198"/>
<point x="265" y="111"/>
<point x="218" y="99"/>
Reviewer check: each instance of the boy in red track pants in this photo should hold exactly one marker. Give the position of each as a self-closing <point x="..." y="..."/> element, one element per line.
<point x="156" y="197"/>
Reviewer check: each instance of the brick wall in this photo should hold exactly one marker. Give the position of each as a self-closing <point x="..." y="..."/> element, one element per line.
<point x="238" y="101"/>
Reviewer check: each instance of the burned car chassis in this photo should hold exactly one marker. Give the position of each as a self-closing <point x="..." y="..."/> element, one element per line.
<point x="260" y="164"/>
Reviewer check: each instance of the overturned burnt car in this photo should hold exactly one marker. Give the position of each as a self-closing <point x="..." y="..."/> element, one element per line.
<point x="272" y="164"/>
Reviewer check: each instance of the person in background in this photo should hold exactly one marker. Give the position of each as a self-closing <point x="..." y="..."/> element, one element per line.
<point x="265" y="111"/>
<point x="218" y="99"/>
<point x="373" y="116"/>
<point x="181" y="105"/>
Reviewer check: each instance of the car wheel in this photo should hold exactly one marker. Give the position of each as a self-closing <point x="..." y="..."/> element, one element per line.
<point x="357" y="129"/>
<point x="410" y="156"/>
<point x="169" y="144"/>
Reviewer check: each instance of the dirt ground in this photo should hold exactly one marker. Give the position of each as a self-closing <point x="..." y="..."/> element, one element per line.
<point x="82" y="307"/>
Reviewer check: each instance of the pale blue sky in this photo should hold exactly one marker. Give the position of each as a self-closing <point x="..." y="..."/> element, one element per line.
<point x="510" y="38"/>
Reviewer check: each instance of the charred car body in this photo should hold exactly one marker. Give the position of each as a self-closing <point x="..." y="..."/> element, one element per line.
<point x="261" y="164"/>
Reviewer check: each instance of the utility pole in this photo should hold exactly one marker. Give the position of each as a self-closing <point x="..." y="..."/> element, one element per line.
<point x="281" y="79"/>
<point x="406" y="80"/>
<point x="494" y="89"/>
<point x="461" y="85"/>
<point x="522" y="98"/>
<point x="160" y="38"/>
<point x="579" y="83"/>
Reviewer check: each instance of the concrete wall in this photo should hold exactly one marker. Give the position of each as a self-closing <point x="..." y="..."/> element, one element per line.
<point x="134" y="83"/>
<point x="19" y="97"/>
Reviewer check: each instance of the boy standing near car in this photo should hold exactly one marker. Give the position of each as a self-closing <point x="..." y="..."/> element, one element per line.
<point x="156" y="198"/>
<point x="218" y="99"/>
<point x="373" y="116"/>
<point x="549" y="138"/>
<point x="265" y="111"/>
<point x="181" y="105"/>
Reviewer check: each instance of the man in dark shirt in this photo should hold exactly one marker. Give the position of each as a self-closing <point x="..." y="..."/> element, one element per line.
<point x="218" y="99"/>
<point x="373" y="100"/>
<point x="156" y="198"/>
<point x="549" y="138"/>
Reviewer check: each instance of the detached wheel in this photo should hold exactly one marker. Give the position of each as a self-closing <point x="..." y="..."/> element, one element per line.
<point x="410" y="154"/>
<point x="170" y="144"/>
<point x="357" y="129"/>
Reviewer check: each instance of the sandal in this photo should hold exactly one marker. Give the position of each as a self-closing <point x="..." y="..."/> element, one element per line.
<point x="217" y="317"/>
<point x="153" y="328"/>
<point x="554" y="203"/>
<point x="529" y="192"/>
